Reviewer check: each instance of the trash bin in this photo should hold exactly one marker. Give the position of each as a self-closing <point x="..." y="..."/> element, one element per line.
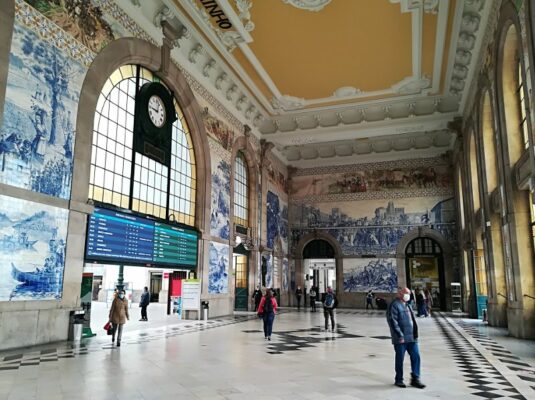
<point x="76" y="325"/>
<point x="205" y="305"/>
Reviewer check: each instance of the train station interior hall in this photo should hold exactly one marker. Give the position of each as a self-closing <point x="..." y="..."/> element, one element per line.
<point x="268" y="199"/>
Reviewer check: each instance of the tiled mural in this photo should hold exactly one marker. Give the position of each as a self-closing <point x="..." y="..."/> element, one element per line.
<point x="219" y="131"/>
<point x="81" y="19"/>
<point x="368" y="208"/>
<point x="373" y="180"/>
<point x="364" y="274"/>
<point x="32" y="250"/>
<point x="218" y="268"/>
<point x="277" y="221"/>
<point x="373" y="227"/>
<point x="220" y="214"/>
<point x="38" y="131"/>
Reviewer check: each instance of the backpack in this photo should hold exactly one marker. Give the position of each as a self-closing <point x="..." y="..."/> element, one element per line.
<point x="268" y="306"/>
<point x="329" y="300"/>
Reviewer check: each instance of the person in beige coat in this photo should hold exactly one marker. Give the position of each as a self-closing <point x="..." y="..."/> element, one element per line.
<point x="118" y="316"/>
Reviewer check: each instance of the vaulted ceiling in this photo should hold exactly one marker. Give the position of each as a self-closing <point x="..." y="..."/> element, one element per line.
<point x="332" y="81"/>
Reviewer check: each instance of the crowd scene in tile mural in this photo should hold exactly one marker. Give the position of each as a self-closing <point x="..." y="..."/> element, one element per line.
<point x="364" y="274"/>
<point x="373" y="180"/>
<point x="379" y="233"/>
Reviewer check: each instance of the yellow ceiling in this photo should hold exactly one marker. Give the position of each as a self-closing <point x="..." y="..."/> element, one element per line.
<point x="348" y="43"/>
<point x="366" y="44"/>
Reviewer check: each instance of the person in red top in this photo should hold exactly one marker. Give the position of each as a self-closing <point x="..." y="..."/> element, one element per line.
<point x="266" y="310"/>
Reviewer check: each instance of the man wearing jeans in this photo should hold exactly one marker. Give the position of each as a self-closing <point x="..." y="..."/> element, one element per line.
<point x="404" y="332"/>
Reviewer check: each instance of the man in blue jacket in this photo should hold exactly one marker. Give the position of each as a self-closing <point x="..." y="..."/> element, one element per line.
<point x="404" y="332"/>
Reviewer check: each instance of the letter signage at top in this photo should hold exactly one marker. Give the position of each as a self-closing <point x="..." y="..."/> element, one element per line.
<point x="216" y="13"/>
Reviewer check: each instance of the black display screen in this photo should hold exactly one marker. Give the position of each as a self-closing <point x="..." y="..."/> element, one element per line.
<point x="117" y="237"/>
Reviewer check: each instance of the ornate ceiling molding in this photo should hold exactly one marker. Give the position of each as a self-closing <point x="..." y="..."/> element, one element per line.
<point x="309" y="5"/>
<point x="429" y="6"/>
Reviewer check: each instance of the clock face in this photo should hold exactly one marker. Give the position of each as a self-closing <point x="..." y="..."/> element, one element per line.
<point x="156" y="111"/>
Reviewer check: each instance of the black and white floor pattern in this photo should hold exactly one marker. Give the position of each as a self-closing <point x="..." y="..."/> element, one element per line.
<point x="485" y="380"/>
<point x="523" y="370"/>
<point x="46" y="354"/>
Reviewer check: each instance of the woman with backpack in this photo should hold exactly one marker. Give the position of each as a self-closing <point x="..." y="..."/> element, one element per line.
<point x="266" y="311"/>
<point x="330" y="303"/>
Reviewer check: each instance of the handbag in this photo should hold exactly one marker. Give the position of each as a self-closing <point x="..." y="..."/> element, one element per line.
<point x="108" y="327"/>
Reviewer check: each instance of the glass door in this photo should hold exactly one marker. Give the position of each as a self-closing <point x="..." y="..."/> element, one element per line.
<point x="241" y="299"/>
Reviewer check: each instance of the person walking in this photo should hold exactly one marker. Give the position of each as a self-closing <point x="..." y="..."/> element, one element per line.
<point x="404" y="333"/>
<point x="266" y="310"/>
<point x="428" y="301"/>
<point x="312" y="299"/>
<point x="118" y="316"/>
<point x="369" y="299"/>
<point x="298" y="294"/>
<point x="420" y="303"/>
<point x="330" y="303"/>
<point x="257" y="296"/>
<point x="144" y="303"/>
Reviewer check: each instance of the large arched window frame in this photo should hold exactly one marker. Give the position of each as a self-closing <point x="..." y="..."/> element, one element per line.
<point x="241" y="190"/>
<point x="124" y="179"/>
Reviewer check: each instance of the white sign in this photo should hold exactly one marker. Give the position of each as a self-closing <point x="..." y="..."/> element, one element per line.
<point x="191" y="294"/>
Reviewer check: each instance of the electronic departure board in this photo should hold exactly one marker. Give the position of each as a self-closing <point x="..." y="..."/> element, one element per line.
<point x="116" y="237"/>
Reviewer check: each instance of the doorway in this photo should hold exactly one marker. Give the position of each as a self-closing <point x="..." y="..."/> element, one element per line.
<point x="424" y="265"/>
<point x="155" y="286"/>
<point x="319" y="267"/>
<point x="241" y="271"/>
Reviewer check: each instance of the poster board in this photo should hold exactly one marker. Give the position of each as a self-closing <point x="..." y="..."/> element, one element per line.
<point x="191" y="294"/>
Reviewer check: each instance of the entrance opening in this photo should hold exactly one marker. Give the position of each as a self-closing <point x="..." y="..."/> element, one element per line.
<point x="241" y="272"/>
<point x="160" y="281"/>
<point x="319" y="266"/>
<point x="424" y="264"/>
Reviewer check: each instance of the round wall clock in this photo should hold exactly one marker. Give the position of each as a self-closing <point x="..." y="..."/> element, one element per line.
<point x="157" y="111"/>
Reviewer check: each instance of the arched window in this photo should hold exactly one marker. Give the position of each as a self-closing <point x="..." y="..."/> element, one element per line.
<point x="489" y="146"/>
<point x="514" y="97"/>
<point x="474" y="173"/>
<point x="130" y="180"/>
<point x="241" y="191"/>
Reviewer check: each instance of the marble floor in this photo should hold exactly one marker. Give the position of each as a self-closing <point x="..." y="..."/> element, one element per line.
<point x="228" y="358"/>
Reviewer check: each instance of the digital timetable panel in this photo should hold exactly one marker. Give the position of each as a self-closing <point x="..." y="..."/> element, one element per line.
<point x="117" y="237"/>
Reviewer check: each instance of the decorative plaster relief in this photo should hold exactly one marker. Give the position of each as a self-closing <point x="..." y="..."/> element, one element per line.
<point x="245" y="15"/>
<point x="412" y="85"/>
<point x="287" y="103"/>
<point x="346" y="91"/>
<point x="309" y="5"/>
<point x="429" y="6"/>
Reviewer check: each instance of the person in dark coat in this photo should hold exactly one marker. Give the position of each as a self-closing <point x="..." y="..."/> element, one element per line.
<point x="257" y="296"/>
<point x="329" y="304"/>
<point x="298" y="295"/>
<point x="404" y="333"/>
<point x="144" y="303"/>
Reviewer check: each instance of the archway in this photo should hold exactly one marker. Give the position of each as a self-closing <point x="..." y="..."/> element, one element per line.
<point x="424" y="268"/>
<point x="437" y="247"/>
<point x="319" y="266"/>
<point x="324" y="247"/>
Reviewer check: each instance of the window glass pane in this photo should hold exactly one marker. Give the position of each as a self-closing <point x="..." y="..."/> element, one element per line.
<point x="112" y="155"/>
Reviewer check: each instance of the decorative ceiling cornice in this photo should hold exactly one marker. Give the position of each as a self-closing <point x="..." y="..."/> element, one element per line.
<point x="209" y="65"/>
<point x="442" y="139"/>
